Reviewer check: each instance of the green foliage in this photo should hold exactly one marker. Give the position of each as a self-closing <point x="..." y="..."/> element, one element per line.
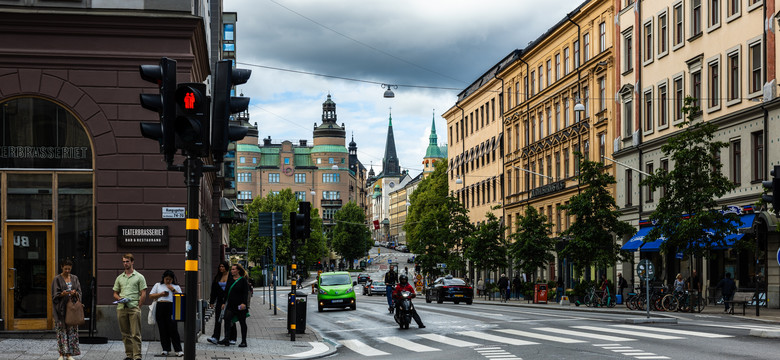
<point x="687" y="214"/>
<point x="351" y="237"/>
<point x="592" y="235"/>
<point x="487" y="246"/>
<point x="532" y="245"/>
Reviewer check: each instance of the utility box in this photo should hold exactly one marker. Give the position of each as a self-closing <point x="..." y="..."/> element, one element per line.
<point x="540" y="293"/>
<point x="300" y="311"/>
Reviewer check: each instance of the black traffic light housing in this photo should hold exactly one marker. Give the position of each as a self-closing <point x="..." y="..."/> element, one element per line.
<point x="773" y="186"/>
<point x="164" y="75"/>
<point x="300" y="222"/>
<point x="192" y="119"/>
<point x="222" y="133"/>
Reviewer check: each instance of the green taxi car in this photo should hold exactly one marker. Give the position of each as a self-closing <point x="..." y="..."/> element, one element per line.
<point x="335" y="289"/>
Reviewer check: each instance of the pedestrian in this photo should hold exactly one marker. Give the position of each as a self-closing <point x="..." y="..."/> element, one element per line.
<point x="679" y="284"/>
<point x="391" y="278"/>
<point x="234" y="309"/>
<point x="727" y="287"/>
<point x="163" y="293"/>
<point x="406" y="271"/>
<point x="517" y="284"/>
<point x="695" y="282"/>
<point x="503" y="284"/>
<point x="559" y="291"/>
<point x="129" y="292"/>
<point x="622" y="284"/>
<point x="480" y="286"/>
<point x="217" y="299"/>
<point x="604" y="288"/>
<point x="64" y="288"/>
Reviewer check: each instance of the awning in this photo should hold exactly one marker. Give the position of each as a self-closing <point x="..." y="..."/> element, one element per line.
<point x="653" y="245"/>
<point x="636" y="240"/>
<point x="746" y="221"/>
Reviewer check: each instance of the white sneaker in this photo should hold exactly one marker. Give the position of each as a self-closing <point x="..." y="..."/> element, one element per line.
<point x="164" y="353"/>
<point x="180" y="353"/>
<point x="232" y="342"/>
<point x="212" y="340"/>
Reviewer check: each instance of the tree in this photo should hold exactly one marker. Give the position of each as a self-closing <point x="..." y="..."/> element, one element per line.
<point x="351" y="237"/>
<point x="532" y="246"/>
<point x="592" y="235"/>
<point x="687" y="214"/>
<point x="487" y="246"/>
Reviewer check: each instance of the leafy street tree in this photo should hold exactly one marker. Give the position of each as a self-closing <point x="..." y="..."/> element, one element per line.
<point x="351" y="237"/>
<point x="461" y="229"/>
<point x="487" y="246"/>
<point x="687" y="214"/>
<point x="283" y="202"/>
<point x="592" y="235"/>
<point x="532" y="246"/>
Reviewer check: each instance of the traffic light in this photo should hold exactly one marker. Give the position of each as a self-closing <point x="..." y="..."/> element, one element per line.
<point x="222" y="133"/>
<point x="164" y="75"/>
<point x="300" y="223"/>
<point x="773" y="186"/>
<point x="192" y="119"/>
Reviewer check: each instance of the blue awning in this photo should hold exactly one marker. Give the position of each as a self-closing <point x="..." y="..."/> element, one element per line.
<point x="746" y="221"/>
<point x="653" y="245"/>
<point x="636" y="241"/>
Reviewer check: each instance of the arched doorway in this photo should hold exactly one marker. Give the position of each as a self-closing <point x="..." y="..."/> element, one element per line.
<point x="46" y="207"/>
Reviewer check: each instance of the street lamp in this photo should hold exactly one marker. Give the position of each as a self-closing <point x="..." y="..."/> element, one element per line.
<point x="458" y="180"/>
<point x="535" y="173"/>
<point x="389" y="93"/>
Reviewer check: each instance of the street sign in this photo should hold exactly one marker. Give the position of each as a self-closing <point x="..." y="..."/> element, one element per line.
<point x="173" y="212"/>
<point x="441" y="266"/>
<point x="645" y="269"/>
<point x="270" y="224"/>
<point x="389" y="261"/>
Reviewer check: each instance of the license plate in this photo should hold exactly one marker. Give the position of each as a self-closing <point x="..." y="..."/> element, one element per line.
<point x="337" y="301"/>
<point x="458" y="295"/>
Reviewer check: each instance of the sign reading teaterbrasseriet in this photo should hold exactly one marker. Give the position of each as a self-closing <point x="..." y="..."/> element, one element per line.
<point x="139" y="236"/>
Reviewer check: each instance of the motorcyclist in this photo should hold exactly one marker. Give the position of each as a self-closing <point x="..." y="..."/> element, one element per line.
<point x="390" y="279"/>
<point x="403" y="285"/>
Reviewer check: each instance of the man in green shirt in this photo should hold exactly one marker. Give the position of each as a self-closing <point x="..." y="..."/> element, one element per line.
<point x="129" y="293"/>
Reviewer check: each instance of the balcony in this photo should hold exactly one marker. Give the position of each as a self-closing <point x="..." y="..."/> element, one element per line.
<point x="330" y="202"/>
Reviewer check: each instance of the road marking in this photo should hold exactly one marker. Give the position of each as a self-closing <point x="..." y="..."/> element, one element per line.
<point x="495" y="338"/>
<point x="617" y="347"/>
<point x="361" y="348"/>
<point x="317" y="348"/>
<point x="585" y="335"/>
<point x="674" y="331"/>
<point x="626" y="332"/>
<point x="652" y="357"/>
<point x="447" y="340"/>
<point x="540" y="336"/>
<point x="406" y="344"/>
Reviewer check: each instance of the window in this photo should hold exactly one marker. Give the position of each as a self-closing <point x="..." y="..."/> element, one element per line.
<point x="714" y="19"/>
<point x="736" y="162"/>
<point x="300" y="178"/>
<point x="331" y="195"/>
<point x="287" y="161"/>
<point x="319" y="160"/>
<point x="509" y="97"/>
<point x="549" y="122"/>
<point x="557" y="165"/>
<point x="602" y="147"/>
<point x="663" y="101"/>
<point x="665" y="169"/>
<point x="244" y="177"/>
<point x="273" y="178"/>
<point x="648" y="42"/>
<point x="628" y="55"/>
<point x="244" y="195"/>
<point x="508" y="140"/>
<point x="533" y="178"/>
<point x="756" y="78"/>
<point x="331" y="161"/>
<point x="330" y="178"/>
<point x="678" y="26"/>
<point x="557" y="67"/>
<point x="629" y="187"/>
<point x="758" y="155"/>
<point x="566" y="162"/>
<point x="566" y="61"/>
<point x="533" y="82"/>
<point x="602" y="93"/>
<point x="628" y="117"/>
<point x="541" y="125"/>
<point x="602" y="37"/>
<point x="695" y="17"/>
<point x="517" y="97"/>
<point x="549" y="72"/>
<point x="649" y="170"/>
<point x="558" y="218"/>
<point x="733" y="77"/>
<point x="678" y="98"/>
<point x="525" y="87"/>
<point x="586" y="47"/>
<point x="533" y="129"/>
<point x="648" y="111"/>
<point x="517" y="136"/>
<point x="733" y="9"/>
<point x="713" y="73"/>
<point x="557" y="116"/>
<point x="576" y="54"/>
<point x="696" y="88"/>
<point x="526" y="131"/>
<point x="565" y="112"/>
<point x="254" y="160"/>
<point x="549" y="168"/>
<point x="241" y="159"/>
<point x="540" y="73"/>
<point x="300" y="195"/>
<point x="575" y="150"/>
<point x="663" y="34"/>
<point x="586" y="101"/>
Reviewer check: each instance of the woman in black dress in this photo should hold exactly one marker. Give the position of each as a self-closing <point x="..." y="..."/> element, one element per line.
<point x="235" y="309"/>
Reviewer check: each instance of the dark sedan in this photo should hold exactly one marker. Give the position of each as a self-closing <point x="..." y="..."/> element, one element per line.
<point x="449" y="288"/>
<point x="363" y="278"/>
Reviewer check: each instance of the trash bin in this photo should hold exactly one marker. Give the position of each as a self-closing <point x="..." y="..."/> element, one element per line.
<point x="540" y="293"/>
<point x="300" y="311"/>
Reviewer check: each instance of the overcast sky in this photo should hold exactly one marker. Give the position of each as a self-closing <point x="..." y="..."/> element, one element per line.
<point x="439" y="44"/>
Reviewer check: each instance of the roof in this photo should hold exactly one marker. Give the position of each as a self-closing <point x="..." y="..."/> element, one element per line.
<point x="328" y="149"/>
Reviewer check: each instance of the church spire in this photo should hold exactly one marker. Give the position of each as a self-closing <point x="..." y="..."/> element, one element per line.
<point x="390" y="165"/>
<point x="433" y="142"/>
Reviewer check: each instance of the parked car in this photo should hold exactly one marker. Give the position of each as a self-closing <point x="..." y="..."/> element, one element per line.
<point x="335" y="289"/>
<point x="402" y="248"/>
<point x="376" y="243"/>
<point x="377" y="288"/>
<point x="449" y="288"/>
<point x="363" y="278"/>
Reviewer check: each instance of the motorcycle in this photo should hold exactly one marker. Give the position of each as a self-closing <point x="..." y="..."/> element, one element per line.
<point x="404" y="314"/>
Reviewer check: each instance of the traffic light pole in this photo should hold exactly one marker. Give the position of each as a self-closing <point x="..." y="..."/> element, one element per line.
<point x="193" y="172"/>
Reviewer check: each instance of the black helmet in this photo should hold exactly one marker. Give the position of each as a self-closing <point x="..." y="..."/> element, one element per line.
<point x="403" y="279"/>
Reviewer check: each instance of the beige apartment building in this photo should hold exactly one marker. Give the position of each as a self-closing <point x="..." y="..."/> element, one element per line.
<point x="558" y="104"/>
<point x="722" y="53"/>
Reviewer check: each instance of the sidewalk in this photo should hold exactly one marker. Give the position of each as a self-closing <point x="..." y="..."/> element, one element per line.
<point x="267" y="338"/>
<point x="766" y="315"/>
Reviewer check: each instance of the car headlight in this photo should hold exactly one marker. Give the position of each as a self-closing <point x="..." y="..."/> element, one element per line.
<point x="350" y="290"/>
<point x="323" y="292"/>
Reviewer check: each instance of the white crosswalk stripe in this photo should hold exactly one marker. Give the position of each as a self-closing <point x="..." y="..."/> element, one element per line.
<point x="407" y="344"/>
<point x="628" y="332"/>
<point x="674" y="331"/>
<point x="447" y="340"/>
<point x="496" y="338"/>
<point x="361" y="348"/>
<point x="541" y="336"/>
<point x="584" y="334"/>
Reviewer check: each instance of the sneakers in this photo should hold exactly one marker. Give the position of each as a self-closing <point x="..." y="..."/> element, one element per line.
<point x="212" y="340"/>
<point x="232" y="342"/>
<point x="164" y="353"/>
<point x="180" y="354"/>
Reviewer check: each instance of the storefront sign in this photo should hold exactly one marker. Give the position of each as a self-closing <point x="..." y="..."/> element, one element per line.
<point x="548" y="189"/>
<point x="137" y="236"/>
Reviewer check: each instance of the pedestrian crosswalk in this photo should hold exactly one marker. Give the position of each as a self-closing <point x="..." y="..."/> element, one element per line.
<point x="618" y="336"/>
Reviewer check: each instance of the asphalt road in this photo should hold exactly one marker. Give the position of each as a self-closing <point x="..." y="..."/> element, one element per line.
<point x="492" y="331"/>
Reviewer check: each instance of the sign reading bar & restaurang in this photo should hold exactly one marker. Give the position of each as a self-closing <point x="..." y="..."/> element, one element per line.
<point x="142" y="236"/>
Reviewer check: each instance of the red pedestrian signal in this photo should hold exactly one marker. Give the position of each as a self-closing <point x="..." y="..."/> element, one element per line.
<point x="189" y="101"/>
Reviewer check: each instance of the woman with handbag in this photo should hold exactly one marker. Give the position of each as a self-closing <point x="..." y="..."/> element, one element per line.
<point x="66" y="289"/>
<point x="217" y="299"/>
<point x="162" y="293"/>
<point x="235" y="308"/>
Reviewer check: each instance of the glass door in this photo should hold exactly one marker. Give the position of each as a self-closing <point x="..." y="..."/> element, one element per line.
<point x="29" y="273"/>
